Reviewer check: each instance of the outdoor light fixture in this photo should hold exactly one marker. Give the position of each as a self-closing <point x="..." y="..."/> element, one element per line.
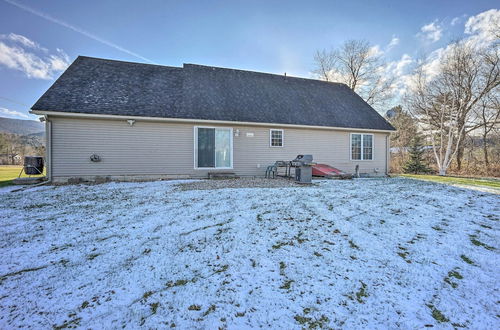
<point x="131" y="122"/>
<point x="237" y="132"/>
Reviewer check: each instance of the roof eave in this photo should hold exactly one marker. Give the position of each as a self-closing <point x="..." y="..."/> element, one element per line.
<point x="187" y="120"/>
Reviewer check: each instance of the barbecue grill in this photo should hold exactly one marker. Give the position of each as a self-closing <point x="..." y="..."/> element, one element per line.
<point x="303" y="168"/>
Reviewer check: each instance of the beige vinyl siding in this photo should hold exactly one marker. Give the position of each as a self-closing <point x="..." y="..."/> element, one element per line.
<point x="167" y="149"/>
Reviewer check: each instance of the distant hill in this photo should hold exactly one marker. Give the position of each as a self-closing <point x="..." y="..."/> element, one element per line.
<point x="21" y="127"/>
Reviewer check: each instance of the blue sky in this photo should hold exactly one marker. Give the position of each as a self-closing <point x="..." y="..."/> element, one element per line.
<point x="38" y="39"/>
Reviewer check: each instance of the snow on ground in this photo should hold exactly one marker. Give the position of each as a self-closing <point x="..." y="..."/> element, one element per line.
<point x="377" y="253"/>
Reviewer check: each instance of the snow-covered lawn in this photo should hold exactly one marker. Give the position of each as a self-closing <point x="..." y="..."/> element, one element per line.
<point x="368" y="253"/>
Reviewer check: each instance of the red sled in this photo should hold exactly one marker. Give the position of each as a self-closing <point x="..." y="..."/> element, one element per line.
<point x="328" y="171"/>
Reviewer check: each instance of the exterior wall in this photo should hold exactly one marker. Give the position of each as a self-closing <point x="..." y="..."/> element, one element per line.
<point x="166" y="150"/>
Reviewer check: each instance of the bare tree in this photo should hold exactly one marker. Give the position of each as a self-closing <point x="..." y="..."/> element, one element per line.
<point x="470" y="74"/>
<point x="489" y="118"/>
<point x="445" y="102"/>
<point x="356" y="64"/>
<point x="406" y="130"/>
<point x="438" y="119"/>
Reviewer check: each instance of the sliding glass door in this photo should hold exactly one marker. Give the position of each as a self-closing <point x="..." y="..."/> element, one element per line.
<point x="213" y="147"/>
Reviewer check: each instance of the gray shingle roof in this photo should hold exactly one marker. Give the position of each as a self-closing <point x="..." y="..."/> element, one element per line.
<point x="100" y="86"/>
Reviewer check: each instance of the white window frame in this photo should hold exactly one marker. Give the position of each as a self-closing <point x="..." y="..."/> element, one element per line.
<point x="271" y="137"/>
<point x="362" y="147"/>
<point x="195" y="144"/>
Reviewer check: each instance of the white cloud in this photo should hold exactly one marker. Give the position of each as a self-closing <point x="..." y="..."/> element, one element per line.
<point x="375" y="51"/>
<point x="13" y="113"/>
<point x="393" y="43"/>
<point x="484" y="27"/>
<point x="399" y="70"/>
<point x="433" y="63"/>
<point x="18" y="52"/>
<point x="431" y="32"/>
<point x="17" y="38"/>
<point x="402" y="64"/>
<point x="455" y="21"/>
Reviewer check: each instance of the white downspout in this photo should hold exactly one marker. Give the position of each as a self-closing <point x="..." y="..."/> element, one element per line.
<point x="48" y="147"/>
<point x="387" y="153"/>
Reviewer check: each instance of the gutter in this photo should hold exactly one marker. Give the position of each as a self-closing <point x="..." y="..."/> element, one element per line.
<point x="48" y="146"/>
<point x="181" y="120"/>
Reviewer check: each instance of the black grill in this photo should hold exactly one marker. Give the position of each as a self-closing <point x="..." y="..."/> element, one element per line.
<point x="303" y="160"/>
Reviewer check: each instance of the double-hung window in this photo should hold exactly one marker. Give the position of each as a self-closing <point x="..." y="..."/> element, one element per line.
<point x="213" y="147"/>
<point x="361" y="146"/>
<point x="276" y="137"/>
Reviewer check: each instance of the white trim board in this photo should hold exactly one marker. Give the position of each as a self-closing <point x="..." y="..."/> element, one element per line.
<point x="195" y="148"/>
<point x="271" y="137"/>
<point x="350" y="147"/>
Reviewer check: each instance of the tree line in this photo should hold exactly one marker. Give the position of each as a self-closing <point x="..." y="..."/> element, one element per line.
<point x="450" y="105"/>
<point x="13" y="148"/>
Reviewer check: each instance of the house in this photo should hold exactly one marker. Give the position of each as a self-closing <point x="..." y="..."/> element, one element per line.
<point x="10" y="159"/>
<point x="132" y="121"/>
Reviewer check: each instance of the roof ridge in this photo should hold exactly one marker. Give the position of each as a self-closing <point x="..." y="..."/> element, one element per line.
<point x="210" y="67"/>
<point x="125" y="62"/>
<point x="262" y="73"/>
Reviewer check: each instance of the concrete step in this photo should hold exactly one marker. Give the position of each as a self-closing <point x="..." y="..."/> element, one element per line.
<point x="222" y="175"/>
<point x="27" y="181"/>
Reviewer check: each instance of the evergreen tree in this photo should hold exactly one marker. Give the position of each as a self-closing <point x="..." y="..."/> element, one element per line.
<point x="416" y="163"/>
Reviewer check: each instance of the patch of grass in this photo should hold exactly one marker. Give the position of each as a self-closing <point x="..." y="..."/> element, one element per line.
<point x="36" y="206"/>
<point x="279" y="245"/>
<point x="74" y="323"/>
<point x="302" y="319"/>
<point x="488" y="183"/>
<point x="299" y="238"/>
<point x="467" y="260"/>
<point x="93" y="256"/>
<point x="476" y="242"/>
<point x="352" y="245"/>
<point x="312" y="323"/>
<point x="240" y="314"/>
<point x="282" y="268"/>
<point x="361" y="293"/>
<point x="437" y="228"/>
<point x="194" y="307"/>
<point x="209" y="310"/>
<point x="154" y="307"/>
<point x="177" y="283"/>
<point x="454" y="285"/>
<point x="437" y="314"/>
<point x="147" y="294"/>
<point x="317" y="254"/>
<point x="416" y="238"/>
<point x="222" y="269"/>
<point x="404" y="254"/>
<point x="10" y="172"/>
<point x="458" y="325"/>
<point x="84" y="305"/>
<point x="287" y="285"/>
<point x="20" y="272"/>
<point x="453" y="274"/>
